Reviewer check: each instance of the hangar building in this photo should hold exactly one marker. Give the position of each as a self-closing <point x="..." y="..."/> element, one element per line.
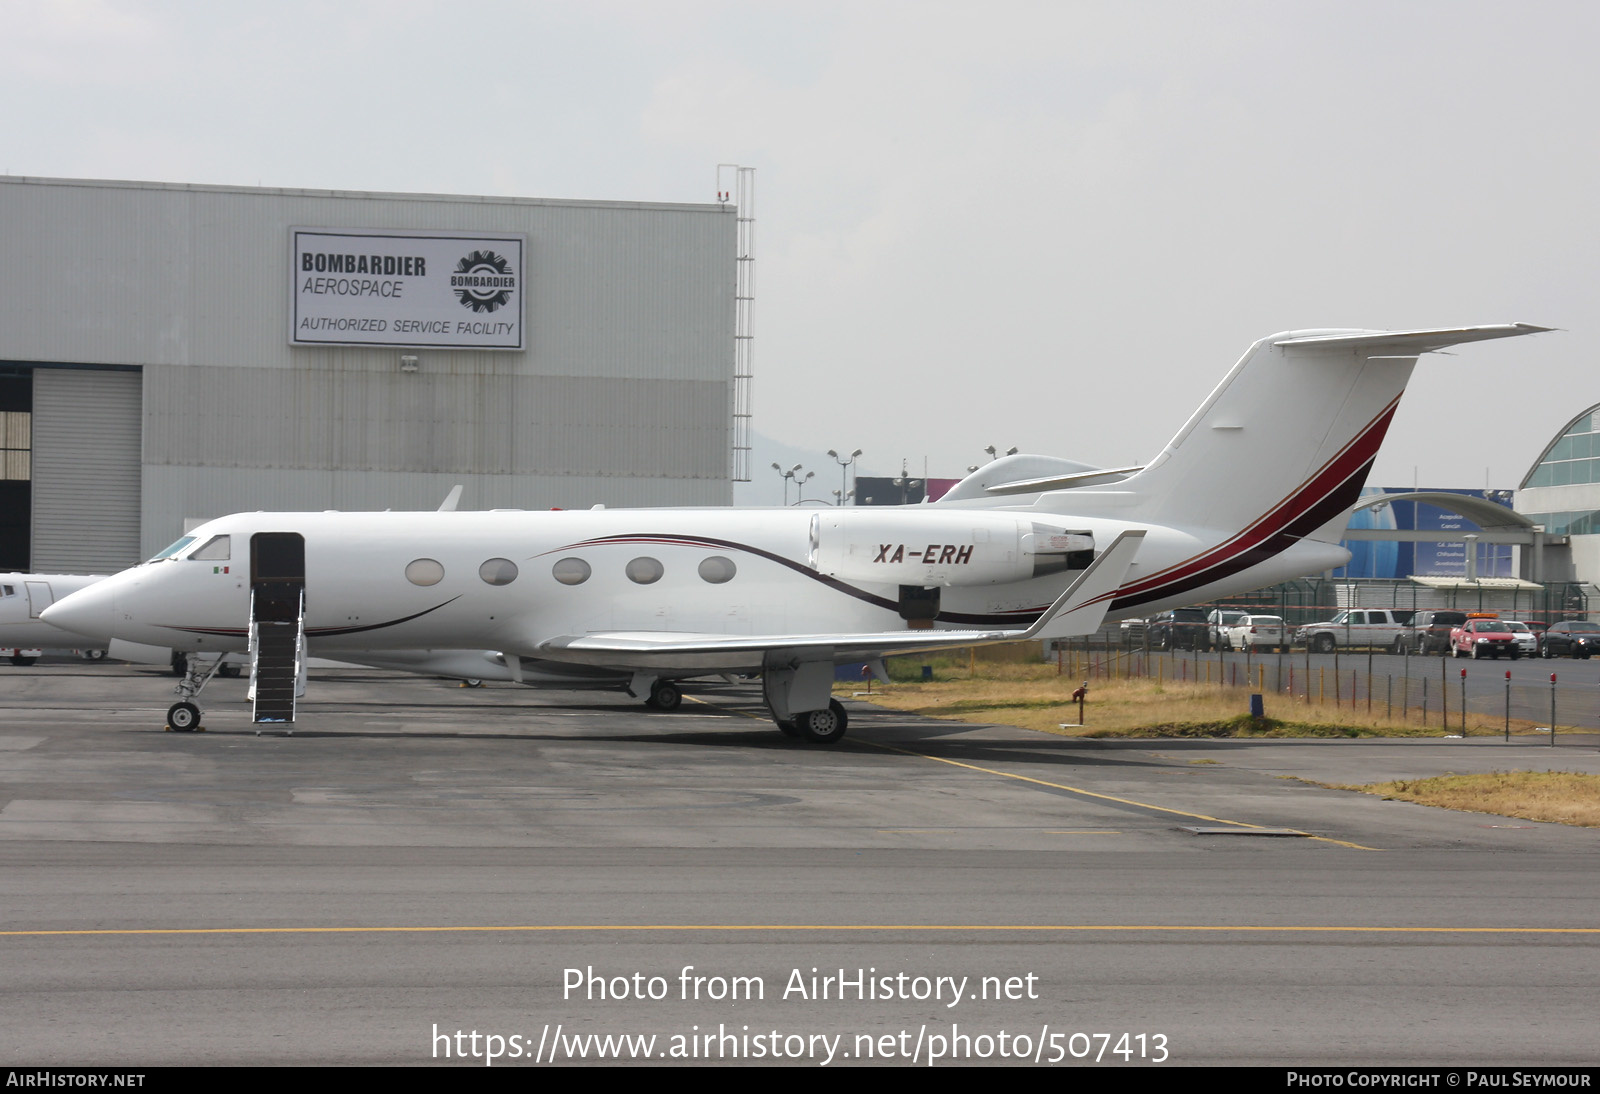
<point x="172" y="353"/>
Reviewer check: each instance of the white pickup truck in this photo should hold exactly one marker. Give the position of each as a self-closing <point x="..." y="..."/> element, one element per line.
<point x="1354" y="627"/>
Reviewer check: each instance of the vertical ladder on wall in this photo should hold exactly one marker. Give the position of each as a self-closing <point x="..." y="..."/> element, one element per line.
<point x="277" y="662"/>
<point x="741" y="191"/>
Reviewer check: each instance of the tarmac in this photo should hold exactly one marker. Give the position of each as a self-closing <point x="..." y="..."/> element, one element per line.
<point x="420" y="860"/>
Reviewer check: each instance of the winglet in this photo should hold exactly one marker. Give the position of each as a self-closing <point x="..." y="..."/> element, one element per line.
<point x="451" y="499"/>
<point x="1082" y="608"/>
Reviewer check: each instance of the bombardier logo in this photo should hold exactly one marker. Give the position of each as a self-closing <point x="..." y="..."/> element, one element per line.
<point x="483" y="281"/>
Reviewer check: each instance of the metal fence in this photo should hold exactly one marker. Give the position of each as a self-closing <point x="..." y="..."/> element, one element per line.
<point x="1434" y="692"/>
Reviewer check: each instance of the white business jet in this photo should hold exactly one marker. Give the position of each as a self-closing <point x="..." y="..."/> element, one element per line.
<point x="1253" y="490"/>
<point x="23" y="598"/>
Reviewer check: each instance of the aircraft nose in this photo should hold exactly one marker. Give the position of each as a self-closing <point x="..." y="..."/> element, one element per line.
<point x="86" y="612"/>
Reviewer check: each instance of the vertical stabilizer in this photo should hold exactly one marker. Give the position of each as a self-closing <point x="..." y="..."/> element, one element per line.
<point x="1284" y="444"/>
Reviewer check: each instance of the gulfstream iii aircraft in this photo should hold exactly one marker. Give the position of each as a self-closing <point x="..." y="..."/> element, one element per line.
<point x="1252" y="490"/>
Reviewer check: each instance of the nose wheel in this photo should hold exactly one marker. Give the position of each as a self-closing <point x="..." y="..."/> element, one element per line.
<point x="184" y="717"/>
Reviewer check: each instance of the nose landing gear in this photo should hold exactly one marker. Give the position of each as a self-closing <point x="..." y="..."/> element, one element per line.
<point x="184" y="715"/>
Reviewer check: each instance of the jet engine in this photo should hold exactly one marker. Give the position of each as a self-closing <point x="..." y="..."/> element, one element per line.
<point x="954" y="548"/>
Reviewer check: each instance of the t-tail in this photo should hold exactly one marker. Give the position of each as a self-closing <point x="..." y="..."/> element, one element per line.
<point x="1261" y="478"/>
<point x="1282" y="447"/>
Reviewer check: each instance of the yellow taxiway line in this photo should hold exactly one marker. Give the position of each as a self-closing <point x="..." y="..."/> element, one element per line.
<point x="1059" y="928"/>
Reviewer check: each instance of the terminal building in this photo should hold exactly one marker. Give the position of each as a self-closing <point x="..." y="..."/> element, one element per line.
<point x="1561" y="492"/>
<point x="171" y="353"/>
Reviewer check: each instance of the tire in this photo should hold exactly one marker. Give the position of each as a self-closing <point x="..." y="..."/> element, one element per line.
<point x="94" y="655"/>
<point x="1544" y="651"/>
<point x="1323" y="643"/>
<point x="1516" y="655"/>
<point x="180" y="664"/>
<point x="1399" y="647"/>
<point x="823" y="727"/>
<point x="231" y="672"/>
<point x="665" y="696"/>
<point x="183" y="717"/>
<point x="1474" y="652"/>
<point x="22" y="662"/>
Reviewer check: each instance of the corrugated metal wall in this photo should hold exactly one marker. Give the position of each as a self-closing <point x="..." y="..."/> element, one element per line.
<point x="471" y="424"/>
<point x="86" y="473"/>
<point x="622" y="397"/>
<point x="141" y="273"/>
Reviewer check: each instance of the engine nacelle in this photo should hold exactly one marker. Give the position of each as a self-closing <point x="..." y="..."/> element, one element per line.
<point x="957" y="547"/>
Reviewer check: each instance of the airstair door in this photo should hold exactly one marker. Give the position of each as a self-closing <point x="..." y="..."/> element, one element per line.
<point x="277" y="623"/>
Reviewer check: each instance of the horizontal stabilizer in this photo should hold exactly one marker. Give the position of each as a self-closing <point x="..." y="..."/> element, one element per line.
<point x="1077" y="611"/>
<point x="1417" y="341"/>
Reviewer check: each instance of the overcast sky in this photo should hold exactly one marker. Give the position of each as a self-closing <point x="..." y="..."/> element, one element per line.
<point x="1052" y="226"/>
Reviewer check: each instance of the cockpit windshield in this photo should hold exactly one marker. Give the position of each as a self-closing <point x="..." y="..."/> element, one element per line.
<point x="174" y="550"/>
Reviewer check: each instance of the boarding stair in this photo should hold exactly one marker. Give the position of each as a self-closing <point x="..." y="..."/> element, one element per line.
<point x="277" y="655"/>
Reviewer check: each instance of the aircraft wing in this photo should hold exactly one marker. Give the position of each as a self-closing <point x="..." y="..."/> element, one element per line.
<point x="1077" y="611"/>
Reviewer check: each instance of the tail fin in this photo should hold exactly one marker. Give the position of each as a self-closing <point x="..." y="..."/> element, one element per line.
<point x="1288" y="436"/>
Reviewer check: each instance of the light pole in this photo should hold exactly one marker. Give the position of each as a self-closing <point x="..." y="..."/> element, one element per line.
<point x="787" y="475"/>
<point x="844" y="472"/>
<point x="800" y="486"/>
<point x="905" y="482"/>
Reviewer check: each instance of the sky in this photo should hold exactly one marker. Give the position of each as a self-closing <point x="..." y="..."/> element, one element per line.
<point x="1052" y="226"/>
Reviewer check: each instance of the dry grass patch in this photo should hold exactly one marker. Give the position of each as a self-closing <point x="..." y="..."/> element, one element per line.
<point x="1034" y="697"/>
<point x="1560" y="797"/>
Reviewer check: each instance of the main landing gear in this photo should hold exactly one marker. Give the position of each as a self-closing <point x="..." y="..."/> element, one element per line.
<point x="184" y="715"/>
<point x="664" y="696"/>
<point x="800" y="696"/>
<point x="657" y="694"/>
<point x="822" y="727"/>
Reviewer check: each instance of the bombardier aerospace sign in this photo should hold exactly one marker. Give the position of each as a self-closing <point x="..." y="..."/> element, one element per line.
<point x="412" y="289"/>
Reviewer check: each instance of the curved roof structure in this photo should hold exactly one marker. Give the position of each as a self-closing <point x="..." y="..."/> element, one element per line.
<point x="1580" y="426"/>
<point x="1488" y="515"/>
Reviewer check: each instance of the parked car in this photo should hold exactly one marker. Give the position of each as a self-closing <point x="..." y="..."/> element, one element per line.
<point x="1479" y="637"/>
<point x="1527" y="638"/>
<point x="1133" y="632"/>
<point x="1571" y="639"/>
<point x="1219" y="621"/>
<point x="1179" y="629"/>
<point x="1429" y="632"/>
<point x="1255" y="632"/>
<point x="1354" y="627"/>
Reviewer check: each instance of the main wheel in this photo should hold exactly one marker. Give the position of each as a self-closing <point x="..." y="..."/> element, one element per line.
<point x="94" y="655"/>
<point x="665" y="696"/>
<point x="21" y="661"/>
<point x="183" y="717"/>
<point x="823" y="727"/>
